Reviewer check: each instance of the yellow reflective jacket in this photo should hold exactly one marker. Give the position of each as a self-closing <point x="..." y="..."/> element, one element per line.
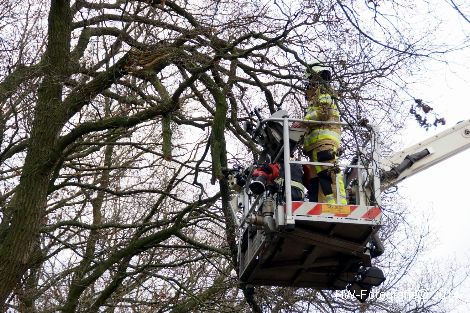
<point x="322" y="108"/>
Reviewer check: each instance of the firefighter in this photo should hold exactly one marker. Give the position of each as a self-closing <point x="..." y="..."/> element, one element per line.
<point x="297" y="187"/>
<point x="322" y="141"/>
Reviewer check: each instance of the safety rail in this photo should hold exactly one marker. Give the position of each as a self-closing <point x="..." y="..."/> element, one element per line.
<point x="362" y="194"/>
<point x="308" y="244"/>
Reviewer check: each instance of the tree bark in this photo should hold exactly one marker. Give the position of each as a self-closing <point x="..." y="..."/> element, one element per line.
<point x="28" y="204"/>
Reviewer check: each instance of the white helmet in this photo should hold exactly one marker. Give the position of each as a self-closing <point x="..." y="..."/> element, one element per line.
<point x="318" y="69"/>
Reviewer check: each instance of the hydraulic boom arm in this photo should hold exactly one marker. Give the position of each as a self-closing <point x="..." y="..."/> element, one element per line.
<point x="422" y="155"/>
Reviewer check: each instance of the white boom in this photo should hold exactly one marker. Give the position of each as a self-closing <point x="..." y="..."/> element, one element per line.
<point x="424" y="154"/>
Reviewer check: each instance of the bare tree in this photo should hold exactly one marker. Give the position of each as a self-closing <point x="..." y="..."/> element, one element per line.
<point x="460" y="9"/>
<point x="118" y="119"/>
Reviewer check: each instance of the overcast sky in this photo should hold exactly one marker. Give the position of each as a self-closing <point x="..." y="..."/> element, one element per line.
<point x="442" y="192"/>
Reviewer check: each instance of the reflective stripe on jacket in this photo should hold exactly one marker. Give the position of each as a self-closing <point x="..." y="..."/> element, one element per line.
<point x="293" y="183"/>
<point x="319" y="134"/>
<point x="322" y="109"/>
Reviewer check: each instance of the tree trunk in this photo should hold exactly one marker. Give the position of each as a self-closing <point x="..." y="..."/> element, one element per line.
<point x="28" y="204"/>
